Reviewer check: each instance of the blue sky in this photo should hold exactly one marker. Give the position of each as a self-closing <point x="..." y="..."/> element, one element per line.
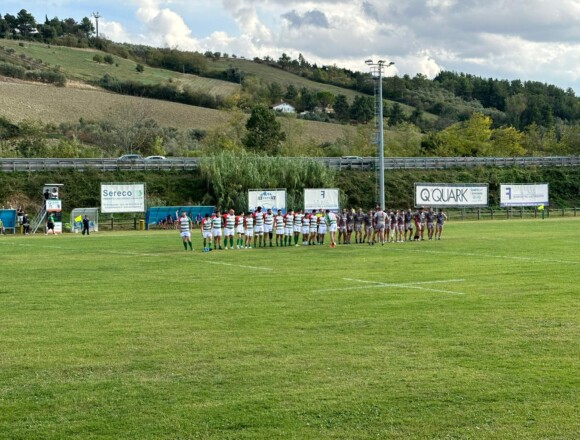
<point x="535" y="40"/>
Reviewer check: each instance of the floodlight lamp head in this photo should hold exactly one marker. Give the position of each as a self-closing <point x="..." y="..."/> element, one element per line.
<point x="369" y="62"/>
<point x="390" y="64"/>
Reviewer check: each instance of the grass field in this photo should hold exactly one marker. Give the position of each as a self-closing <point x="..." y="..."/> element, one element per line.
<point x="125" y="335"/>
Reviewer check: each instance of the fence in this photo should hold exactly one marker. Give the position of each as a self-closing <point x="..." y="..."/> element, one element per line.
<point x="509" y="213"/>
<point x="357" y="163"/>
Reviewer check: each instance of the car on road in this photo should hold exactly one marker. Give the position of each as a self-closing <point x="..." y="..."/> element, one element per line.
<point x="130" y="158"/>
<point x="155" y="158"/>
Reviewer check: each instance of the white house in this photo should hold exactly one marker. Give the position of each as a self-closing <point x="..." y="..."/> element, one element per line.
<point x="284" y="107"/>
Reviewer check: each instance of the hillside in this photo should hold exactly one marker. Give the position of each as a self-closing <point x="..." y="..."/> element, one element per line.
<point x="78" y="64"/>
<point x="26" y="101"/>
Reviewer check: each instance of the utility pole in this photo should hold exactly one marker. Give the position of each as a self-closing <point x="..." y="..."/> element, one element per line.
<point x="377" y="72"/>
<point x="96" y="15"/>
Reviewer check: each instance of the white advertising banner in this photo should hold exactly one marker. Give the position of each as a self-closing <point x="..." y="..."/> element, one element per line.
<point x="53" y="205"/>
<point x="450" y="195"/>
<point x="122" y="197"/>
<point x="321" y="198"/>
<point x="523" y="195"/>
<point x="273" y="199"/>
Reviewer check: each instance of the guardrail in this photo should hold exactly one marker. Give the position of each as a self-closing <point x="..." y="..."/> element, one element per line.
<point x="359" y="163"/>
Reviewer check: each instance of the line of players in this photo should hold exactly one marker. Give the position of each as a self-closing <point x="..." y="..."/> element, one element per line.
<point x="260" y="229"/>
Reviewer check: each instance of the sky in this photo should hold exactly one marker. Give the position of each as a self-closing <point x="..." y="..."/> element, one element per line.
<point x="531" y="40"/>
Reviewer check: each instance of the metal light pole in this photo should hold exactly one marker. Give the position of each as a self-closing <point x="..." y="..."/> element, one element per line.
<point x="377" y="69"/>
<point x="96" y="15"/>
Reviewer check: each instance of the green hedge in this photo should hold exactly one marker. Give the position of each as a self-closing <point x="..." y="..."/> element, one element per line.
<point x="81" y="189"/>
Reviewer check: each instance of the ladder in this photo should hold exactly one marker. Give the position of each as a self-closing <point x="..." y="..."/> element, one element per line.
<point x="38" y="219"/>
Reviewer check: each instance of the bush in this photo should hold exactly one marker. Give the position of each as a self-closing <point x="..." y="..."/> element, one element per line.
<point x="12" y="70"/>
<point x="139" y="68"/>
<point x="109" y="59"/>
<point x="98" y="58"/>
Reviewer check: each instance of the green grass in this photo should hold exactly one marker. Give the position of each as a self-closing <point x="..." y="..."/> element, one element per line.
<point x="78" y="64"/>
<point x="125" y="335"/>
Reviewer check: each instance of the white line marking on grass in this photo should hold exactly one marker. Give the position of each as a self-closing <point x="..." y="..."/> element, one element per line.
<point x="416" y="285"/>
<point x="504" y="257"/>
<point x="237" y="265"/>
<point x="143" y="254"/>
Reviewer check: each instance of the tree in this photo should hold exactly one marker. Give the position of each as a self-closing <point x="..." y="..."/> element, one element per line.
<point x="362" y="109"/>
<point x="25" y="22"/>
<point x="264" y="131"/>
<point x="341" y="108"/>
<point x="87" y="27"/>
<point x="396" y="114"/>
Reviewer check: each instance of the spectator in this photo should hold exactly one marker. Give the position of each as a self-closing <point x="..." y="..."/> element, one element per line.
<point x="50" y="224"/>
<point x="86" y="224"/>
<point x="2" y="230"/>
<point x="25" y="224"/>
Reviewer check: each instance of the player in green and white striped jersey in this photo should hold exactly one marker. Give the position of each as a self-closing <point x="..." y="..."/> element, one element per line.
<point x="184" y="223"/>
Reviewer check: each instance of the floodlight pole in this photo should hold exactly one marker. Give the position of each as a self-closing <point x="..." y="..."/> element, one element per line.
<point x="378" y="68"/>
<point x="96" y="15"/>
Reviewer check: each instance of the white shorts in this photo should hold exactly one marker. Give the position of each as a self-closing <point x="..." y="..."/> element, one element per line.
<point x="312" y="230"/>
<point x="185" y="234"/>
<point x="240" y="229"/>
<point x="228" y="232"/>
<point x="332" y="228"/>
<point x="297" y="228"/>
<point x="288" y="231"/>
<point x="206" y="234"/>
<point x="259" y="230"/>
<point x="305" y="229"/>
<point x="267" y="228"/>
<point x="216" y="232"/>
<point x="279" y="231"/>
<point x="249" y="233"/>
<point x="322" y="229"/>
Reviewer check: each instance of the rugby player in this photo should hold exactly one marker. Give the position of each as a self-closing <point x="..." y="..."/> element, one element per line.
<point x="358" y="223"/>
<point x="297" y="226"/>
<point x="259" y="227"/>
<point x="184" y="230"/>
<point x="240" y="230"/>
<point x="249" y="231"/>
<point x="288" y="228"/>
<point x="331" y="219"/>
<point x="440" y="218"/>
<point x="380" y="225"/>
<point x="268" y="225"/>
<point x="279" y="225"/>
<point x="313" y="228"/>
<point x="321" y="226"/>
<point x="342" y="226"/>
<point x="216" y="230"/>
<point x="206" y="233"/>
<point x="229" y="228"/>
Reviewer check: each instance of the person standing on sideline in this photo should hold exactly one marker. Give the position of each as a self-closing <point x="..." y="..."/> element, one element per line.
<point x="2" y="230"/>
<point x="86" y="224"/>
<point x="184" y="223"/>
<point x="50" y="224"/>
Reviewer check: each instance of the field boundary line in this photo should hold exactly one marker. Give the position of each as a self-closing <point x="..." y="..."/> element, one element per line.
<point x="366" y="284"/>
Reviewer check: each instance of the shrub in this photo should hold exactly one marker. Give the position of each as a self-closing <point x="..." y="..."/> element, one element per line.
<point x="109" y="59"/>
<point x="98" y="58"/>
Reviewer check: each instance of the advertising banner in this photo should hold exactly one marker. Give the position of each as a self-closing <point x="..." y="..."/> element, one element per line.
<point x="321" y="198"/>
<point x="523" y="195"/>
<point x="273" y="199"/>
<point x="122" y="197"/>
<point x="450" y="195"/>
<point x="53" y="205"/>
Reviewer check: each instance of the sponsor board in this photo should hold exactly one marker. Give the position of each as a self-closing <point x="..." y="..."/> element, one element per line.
<point x="524" y="195"/>
<point x="53" y="205"/>
<point x="321" y="198"/>
<point x="122" y="197"/>
<point x="451" y="195"/>
<point x="273" y="199"/>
